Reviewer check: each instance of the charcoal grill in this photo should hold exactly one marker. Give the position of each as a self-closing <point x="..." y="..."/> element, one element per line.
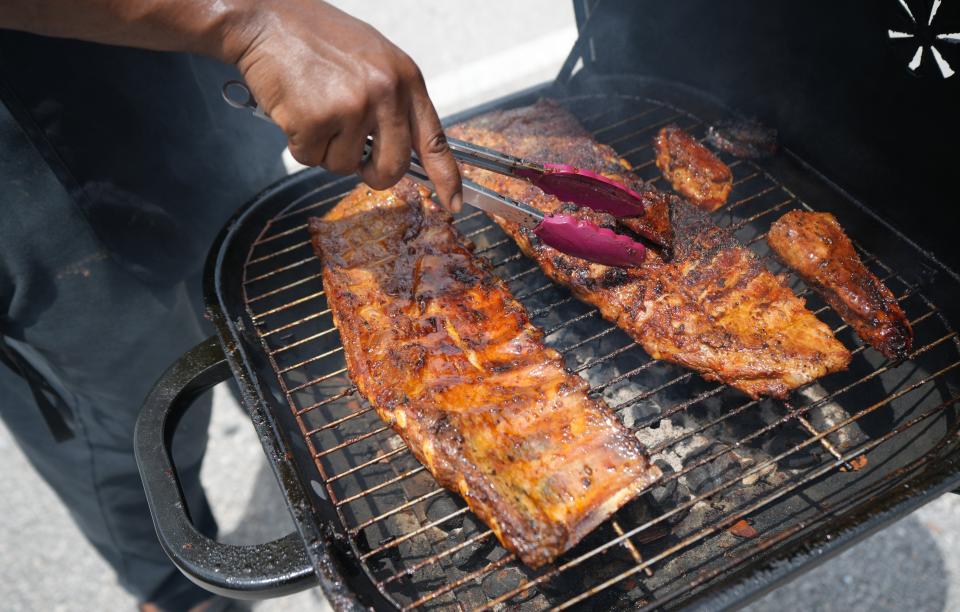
<point x="753" y="492"/>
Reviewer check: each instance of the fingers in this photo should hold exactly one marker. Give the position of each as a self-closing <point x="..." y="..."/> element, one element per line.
<point x="373" y="88"/>
<point x="346" y="147"/>
<point x="326" y="132"/>
<point x="308" y="141"/>
<point x="430" y="144"/>
<point x="390" y="158"/>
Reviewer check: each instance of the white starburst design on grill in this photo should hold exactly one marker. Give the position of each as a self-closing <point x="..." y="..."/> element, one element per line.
<point x="920" y="29"/>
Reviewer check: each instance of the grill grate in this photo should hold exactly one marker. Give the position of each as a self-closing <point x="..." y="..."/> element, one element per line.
<point x="726" y="458"/>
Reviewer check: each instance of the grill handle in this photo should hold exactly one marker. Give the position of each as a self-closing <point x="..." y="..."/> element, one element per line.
<point x="259" y="571"/>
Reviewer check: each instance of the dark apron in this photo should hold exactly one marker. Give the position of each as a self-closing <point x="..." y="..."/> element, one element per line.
<point x="148" y="152"/>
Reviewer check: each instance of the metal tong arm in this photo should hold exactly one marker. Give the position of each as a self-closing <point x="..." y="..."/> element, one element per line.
<point x="481" y="197"/>
<point x="495" y="161"/>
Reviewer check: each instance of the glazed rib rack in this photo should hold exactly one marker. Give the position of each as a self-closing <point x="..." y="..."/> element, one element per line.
<point x="745" y="481"/>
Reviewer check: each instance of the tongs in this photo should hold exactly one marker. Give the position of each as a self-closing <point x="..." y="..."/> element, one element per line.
<point x="564" y="232"/>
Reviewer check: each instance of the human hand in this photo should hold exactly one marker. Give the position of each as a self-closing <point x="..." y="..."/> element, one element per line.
<point x="328" y="80"/>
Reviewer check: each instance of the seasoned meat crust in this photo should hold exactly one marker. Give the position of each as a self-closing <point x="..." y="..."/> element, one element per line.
<point x="448" y="358"/>
<point x="693" y="171"/>
<point x="816" y="247"/>
<point x="713" y="308"/>
<point x="655" y="221"/>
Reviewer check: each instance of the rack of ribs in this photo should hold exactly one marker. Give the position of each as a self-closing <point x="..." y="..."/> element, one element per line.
<point x="713" y="307"/>
<point x="815" y="246"/>
<point x="449" y="359"/>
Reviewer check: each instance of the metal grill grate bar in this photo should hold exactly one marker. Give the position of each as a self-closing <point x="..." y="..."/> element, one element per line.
<point x="397" y="541"/>
<point x="649" y="145"/>
<point x="392" y="511"/>
<point x="419" y="566"/>
<point x="793" y="412"/>
<point x="336" y="396"/>
<point x="736" y="516"/>
<point x="276" y="271"/>
<point x="335" y="423"/>
<point x="773" y="496"/>
<point x="617" y="124"/>
<point x="284" y="250"/>
<point x="286" y="287"/>
<point x="848" y="504"/>
<point x="382" y="485"/>
<point x="493" y="565"/>
<point x="378" y="459"/>
<point x="645" y="129"/>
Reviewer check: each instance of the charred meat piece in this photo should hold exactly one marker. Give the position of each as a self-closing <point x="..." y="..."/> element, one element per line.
<point x="448" y="358"/>
<point x="713" y="308"/>
<point x="693" y="171"/>
<point x="655" y="220"/>
<point x="815" y="246"/>
<point x="743" y="138"/>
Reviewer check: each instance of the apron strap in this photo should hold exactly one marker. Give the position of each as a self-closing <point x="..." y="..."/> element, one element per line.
<point x="54" y="410"/>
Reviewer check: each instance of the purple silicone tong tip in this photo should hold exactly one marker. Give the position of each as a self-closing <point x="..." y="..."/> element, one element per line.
<point x="589" y="241"/>
<point x="592" y="190"/>
<point x="586" y="188"/>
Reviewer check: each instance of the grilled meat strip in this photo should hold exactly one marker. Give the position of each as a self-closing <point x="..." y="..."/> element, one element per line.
<point x="448" y="358"/>
<point x="816" y="247"/>
<point x="693" y="171"/>
<point x="713" y="308"/>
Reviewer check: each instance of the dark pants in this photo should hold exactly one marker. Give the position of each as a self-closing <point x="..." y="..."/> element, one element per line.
<point x="99" y="284"/>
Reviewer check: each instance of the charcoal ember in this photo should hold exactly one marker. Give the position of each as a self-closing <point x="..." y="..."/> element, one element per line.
<point x="667" y="493"/>
<point x="580" y="578"/>
<point x="743" y="138"/>
<point x="502" y="581"/>
<point x="800" y="461"/>
<point x="680" y="392"/>
<point x="417" y="485"/>
<point x="762" y="473"/>
<point x="787" y="439"/>
<point x="393" y="443"/>
<point x="743" y="529"/>
<point x="439" y="508"/>
<point x="633" y="413"/>
<point x="640" y="511"/>
<point x="827" y="414"/>
<point x="719" y="470"/>
<point x="417" y="546"/>
<point x="563" y="585"/>
<point x="613" y="599"/>
<point x="616" y="597"/>
<point x="474" y="555"/>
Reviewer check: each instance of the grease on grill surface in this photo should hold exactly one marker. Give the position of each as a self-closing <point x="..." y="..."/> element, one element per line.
<point x="448" y="358"/>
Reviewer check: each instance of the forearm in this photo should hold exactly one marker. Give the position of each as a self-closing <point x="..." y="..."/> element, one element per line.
<point x="219" y="28"/>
